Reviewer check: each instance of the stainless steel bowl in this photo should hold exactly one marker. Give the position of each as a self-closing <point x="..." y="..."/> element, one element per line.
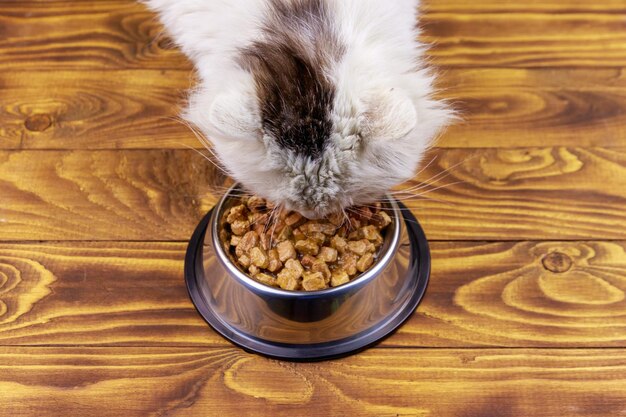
<point x="303" y="325"/>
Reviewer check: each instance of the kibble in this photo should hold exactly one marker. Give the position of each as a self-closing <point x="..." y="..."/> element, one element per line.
<point x="259" y="257"/>
<point x="307" y="247"/>
<point x="286" y="251"/>
<point x="327" y="254"/>
<point x="339" y="277"/>
<point x="289" y="251"/>
<point x="274" y="263"/>
<point x="313" y="281"/>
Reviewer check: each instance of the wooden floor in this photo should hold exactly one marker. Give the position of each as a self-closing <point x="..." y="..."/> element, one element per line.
<point x="526" y="311"/>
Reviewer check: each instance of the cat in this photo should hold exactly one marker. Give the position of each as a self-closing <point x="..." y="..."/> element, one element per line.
<point x="316" y="105"/>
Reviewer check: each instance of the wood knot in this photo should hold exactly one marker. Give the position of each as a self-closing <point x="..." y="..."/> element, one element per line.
<point x="557" y="262"/>
<point x="38" y="122"/>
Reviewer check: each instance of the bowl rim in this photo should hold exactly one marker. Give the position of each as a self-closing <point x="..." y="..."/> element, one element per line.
<point x="249" y="282"/>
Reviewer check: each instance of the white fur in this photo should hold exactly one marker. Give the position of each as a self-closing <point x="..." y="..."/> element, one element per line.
<point x="383" y="115"/>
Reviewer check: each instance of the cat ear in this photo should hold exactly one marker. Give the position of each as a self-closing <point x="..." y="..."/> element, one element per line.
<point x="389" y="115"/>
<point x="235" y="115"/>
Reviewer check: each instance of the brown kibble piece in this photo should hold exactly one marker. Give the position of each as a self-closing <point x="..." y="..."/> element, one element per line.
<point x="295" y="266"/>
<point x="313" y="281"/>
<point x="308" y="261"/>
<point x="253" y="269"/>
<point x="321" y="267"/>
<point x="339" y="277"/>
<point x="287" y="280"/>
<point x="328" y="254"/>
<point x="234" y="240"/>
<point x="307" y="247"/>
<point x="294" y="219"/>
<point x="354" y="224"/>
<point x="342" y="232"/>
<point x="258" y="257"/>
<point x="264" y="240"/>
<point x="274" y="261"/>
<point x="298" y="234"/>
<point x="266" y="279"/>
<point x="247" y="242"/>
<point x="236" y="213"/>
<point x="339" y="243"/>
<point x="311" y="227"/>
<point x="370" y="233"/>
<point x="348" y="261"/>
<point x="365" y="262"/>
<point x="358" y="246"/>
<point x="258" y="219"/>
<point x="255" y="203"/>
<point x="328" y="229"/>
<point x="240" y="227"/>
<point x="364" y="214"/>
<point x="381" y="219"/>
<point x="286" y="250"/>
<point x="284" y="234"/>
<point x="276" y="228"/>
<point x="317" y="237"/>
<point x="244" y="260"/>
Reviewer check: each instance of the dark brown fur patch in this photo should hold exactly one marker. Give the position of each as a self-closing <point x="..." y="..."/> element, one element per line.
<point x="289" y="67"/>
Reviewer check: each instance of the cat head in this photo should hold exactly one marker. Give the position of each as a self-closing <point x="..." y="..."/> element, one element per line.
<point x="314" y="122"/>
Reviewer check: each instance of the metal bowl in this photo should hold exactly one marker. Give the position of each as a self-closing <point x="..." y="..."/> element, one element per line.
<point x="300" y="325"/>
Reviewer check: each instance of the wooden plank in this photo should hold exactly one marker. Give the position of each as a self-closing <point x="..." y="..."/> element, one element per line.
<point x="464" y="194"/>
<point x="93" y="109"/>
<point x="117" y="35"/>
<point x="107" y="195"/>
<point x="103" y="34"/>
<point x="97" y="293"/>
<point x="545" y="6"/>
<point x="507" y="108"/>
<point x="380" y="382"/>
<point x="501" y="108"/>
<point x="522" y="294"/>
<point x="530" y="40"/>
<point x="525" y="193"/>
<point x="514" y="294"/>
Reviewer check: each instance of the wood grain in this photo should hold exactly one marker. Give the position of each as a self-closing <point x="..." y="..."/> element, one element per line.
<point x="515" y="294"/>
<point x="523" y="294"/>
<point x="123" y="34"/>
<point x="98" y="35"/>
<point x="93" y="109"/>
<point x="464" y="194"/>
<point x="131" y="195"/>
<point x="506" y="108"/>
<point x="382" y="383"/>
<point x="531" y="40"/>
<point x="525" y="193"/>
<point x="501" y="108"/>
<point x="97" y="294"/>
<point x="546" y="6"/>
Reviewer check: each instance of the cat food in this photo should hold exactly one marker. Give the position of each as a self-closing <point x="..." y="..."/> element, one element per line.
<point x="288" y="251"/>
